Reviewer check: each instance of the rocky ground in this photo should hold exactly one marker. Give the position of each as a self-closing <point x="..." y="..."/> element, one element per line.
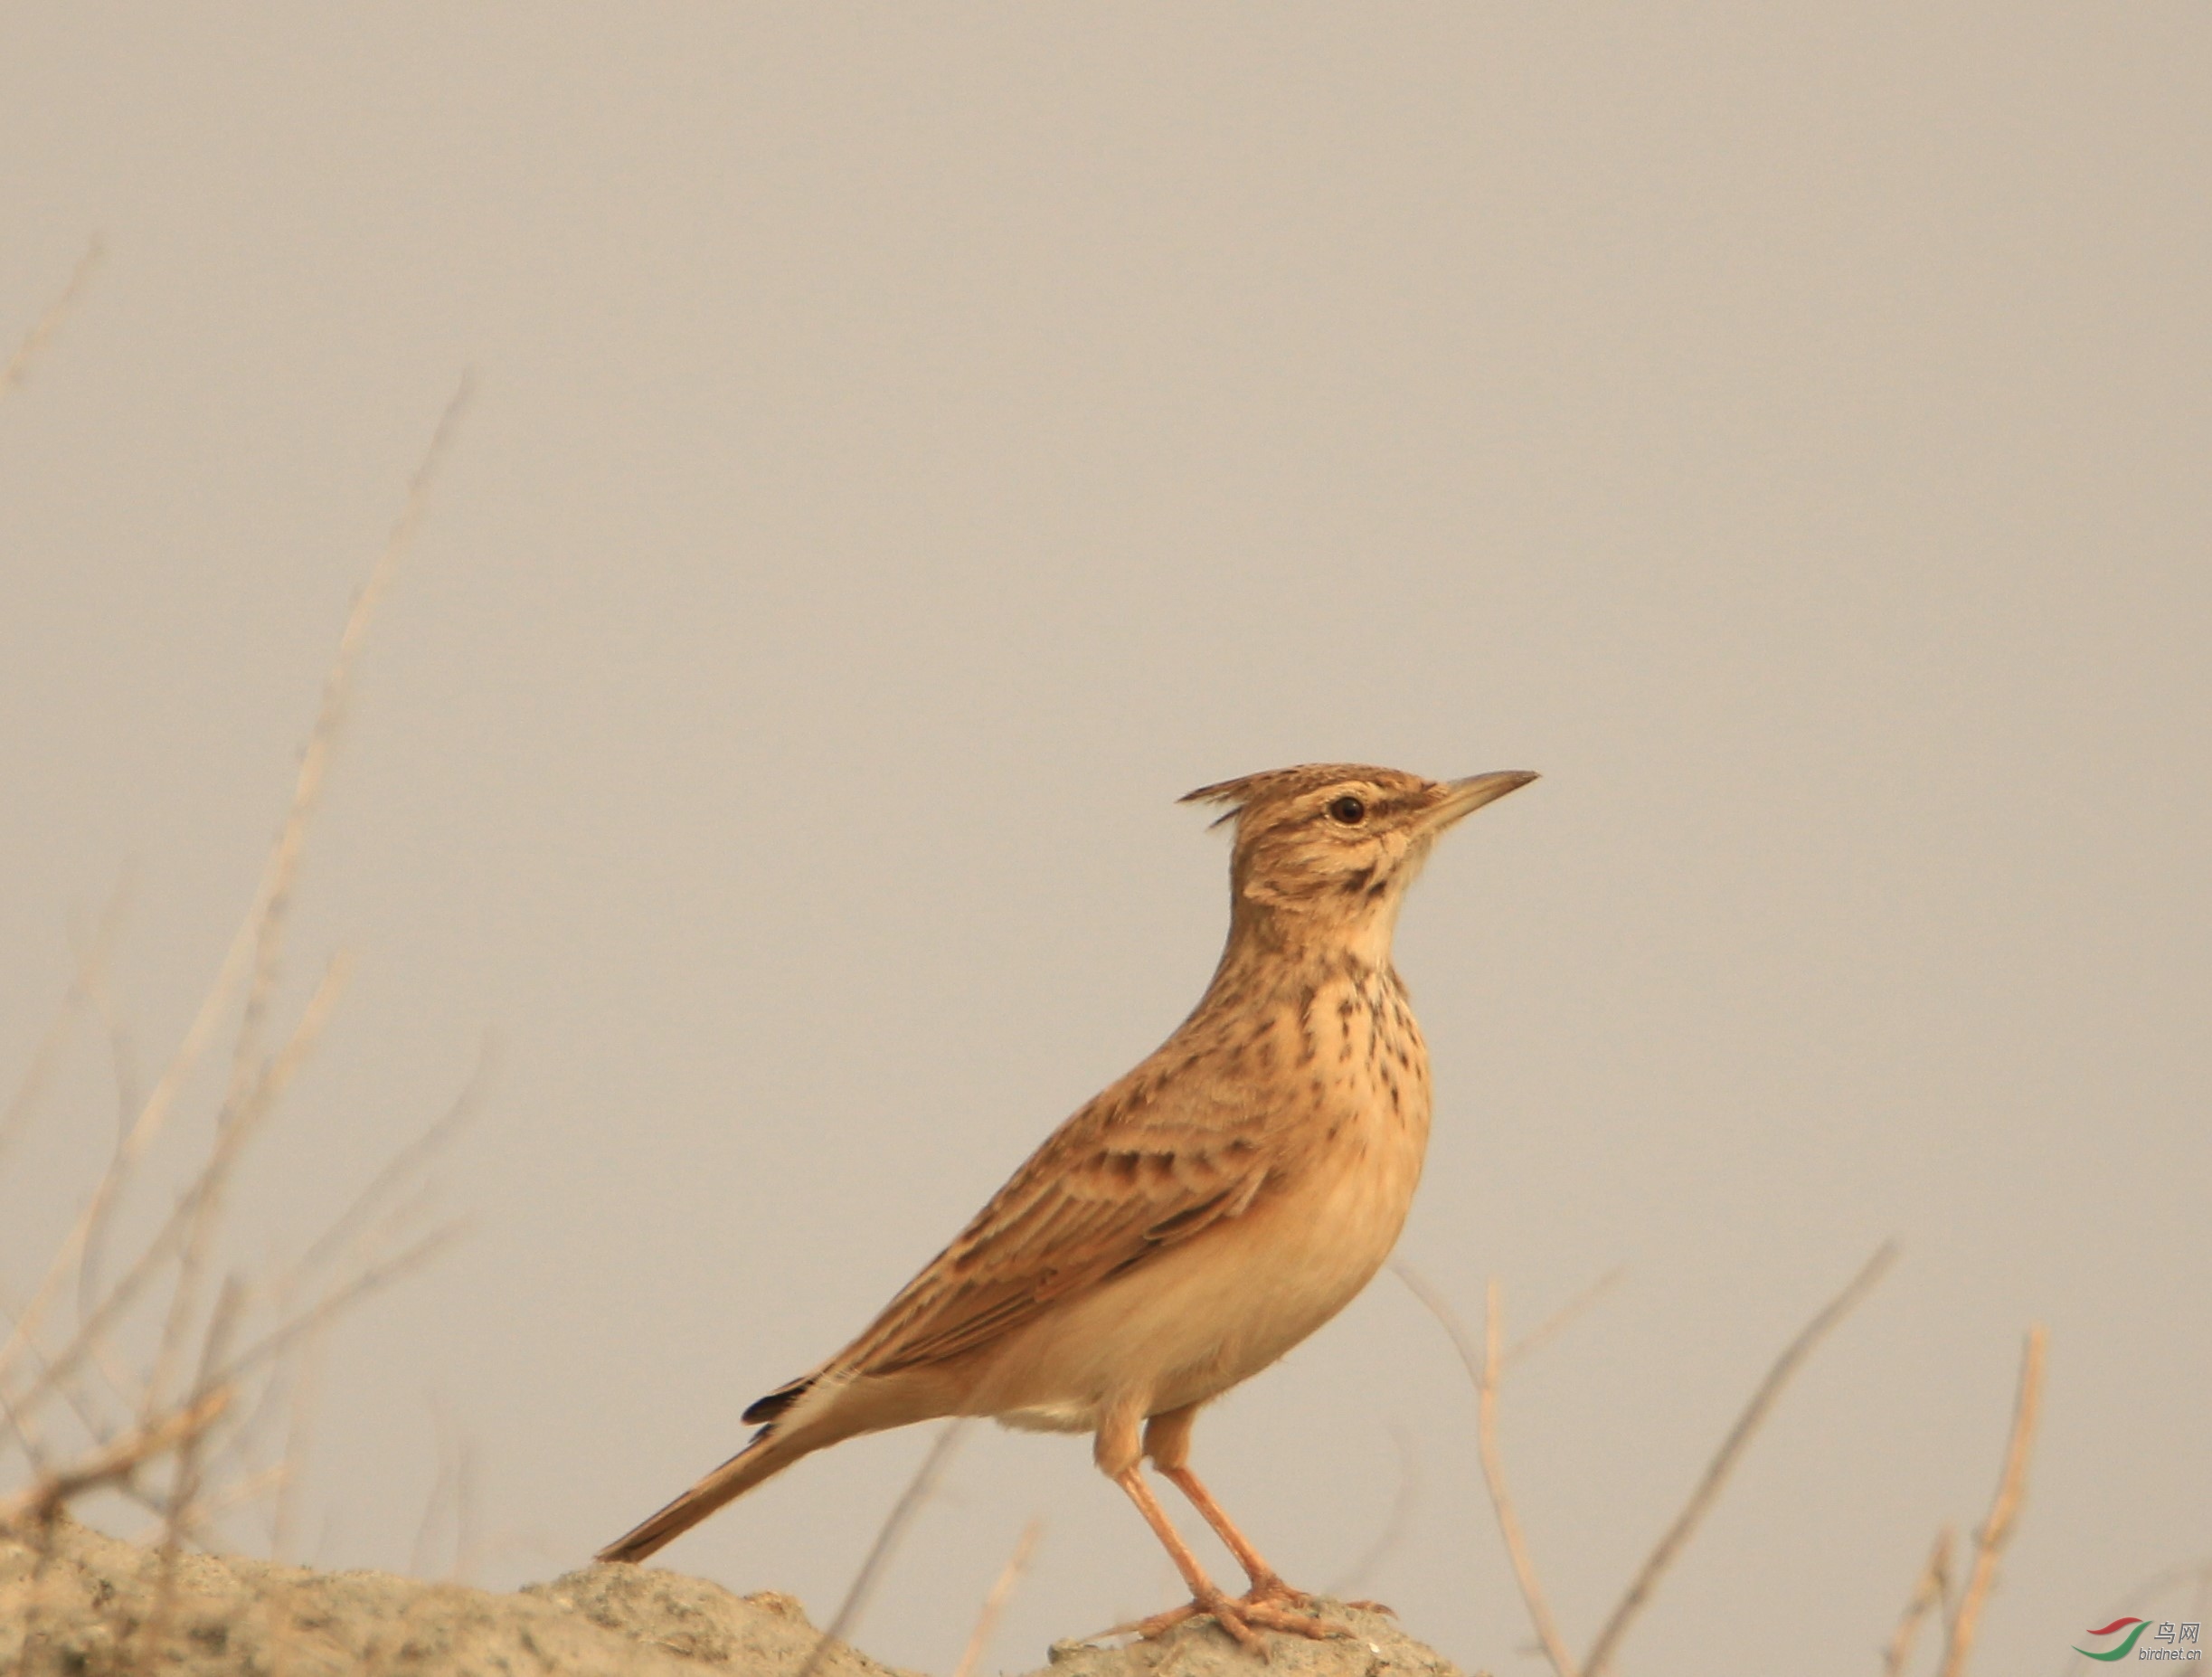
<point x="76" y="1604"/>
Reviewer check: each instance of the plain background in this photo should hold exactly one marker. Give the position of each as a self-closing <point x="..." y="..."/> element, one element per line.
<point x="913" y="447"/>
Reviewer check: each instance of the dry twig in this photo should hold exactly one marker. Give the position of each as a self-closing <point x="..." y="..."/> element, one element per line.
<point x="1482" y="1367"/>
<point x="1931" y="1592"/>
<point x="175" y="1414"/>
<point x="115" y="1461"/>
<point x="85" y="986"/>
<point x="18" y="366"/>
<point x="1554" y="1325"/>
<point x="240" y="1120"/>
<point x="254" y="943"/>
<point x="2004" y="1509"/>
<point x="919" y="1489"/>
<point x="994" y="1604"/>
<point x="1724" y="1461"/>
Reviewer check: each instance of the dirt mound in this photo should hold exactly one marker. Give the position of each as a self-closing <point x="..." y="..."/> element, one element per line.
<point x="1378" y="1649"/>
<point x="88" y="1605"/>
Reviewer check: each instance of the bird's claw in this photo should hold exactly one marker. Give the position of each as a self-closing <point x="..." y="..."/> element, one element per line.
<point x="1269" y="1604"/>
<point x="1279" y="1600"/>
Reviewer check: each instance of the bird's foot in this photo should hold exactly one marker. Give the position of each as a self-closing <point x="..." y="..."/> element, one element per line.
<point x="1269" y="1604"/>
<point x="1269" y="1589"/>
<point x="1283" y="1608"/>
<point x="1207" y="1604"/>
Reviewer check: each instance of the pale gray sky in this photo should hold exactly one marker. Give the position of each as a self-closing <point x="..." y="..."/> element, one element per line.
<point x="911" y="450"/>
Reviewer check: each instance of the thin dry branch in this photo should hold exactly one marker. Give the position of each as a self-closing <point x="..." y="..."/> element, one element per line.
<point x="25" y="1435"/>
<point x="123" y="1067"/>
<point x="1724" y="1461"/>
<point x="404" y="1165"/>
<point x="251" y="947"/>
<point x="1553" y="1325"/>
<point x="919" y="1489"/>
<point x="2004" y="1509"/>
<point x="371" y="1280"/>
<point x="451" y="1502"/>
<point x="301" y="1403"/>
<point x="994" y="1604"/>
<point x="83" y="987"/>
<point x="183" y="1222"/>
<point x="282" y="872"/>
<point x="238" y="1127"/>
<point x="115" y="1461"/>
<point x="49" y="324"/>
<point x="346" y="1246"/>
<point x="1493" y="1475"/>
<point x="1931" y="1590"/>
<point x="1482" y="1367"/>
<point x="122" y="1051"/>
<point x="182" y="1517"/>
<point x="19" y="1420"/>
<point x="178" y="1409"/>
<point x="222" y="1371"/>
<point x="214" y="1506"/>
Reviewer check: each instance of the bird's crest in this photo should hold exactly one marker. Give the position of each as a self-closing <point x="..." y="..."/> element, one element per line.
<point x="1247" y="789"/>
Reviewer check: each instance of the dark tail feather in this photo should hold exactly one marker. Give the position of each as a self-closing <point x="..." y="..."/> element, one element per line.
<point x="769" y="1453"/>
<point x="763" y="1410"/>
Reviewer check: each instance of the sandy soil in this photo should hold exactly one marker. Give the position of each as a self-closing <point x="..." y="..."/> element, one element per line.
<point x="88" y="1605"/>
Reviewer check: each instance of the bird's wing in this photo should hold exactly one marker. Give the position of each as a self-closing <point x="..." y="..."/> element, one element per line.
<point x="1152" y="1162"/>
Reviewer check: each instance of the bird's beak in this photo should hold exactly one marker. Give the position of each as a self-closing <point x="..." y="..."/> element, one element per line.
<point x="1464" y="798"/>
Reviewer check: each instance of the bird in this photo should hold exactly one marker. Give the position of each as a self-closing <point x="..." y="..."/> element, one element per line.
<point x="1197" y="1219"/>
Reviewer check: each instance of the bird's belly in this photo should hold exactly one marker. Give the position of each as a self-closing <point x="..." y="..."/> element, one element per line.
<point x="1199" y="1318"/>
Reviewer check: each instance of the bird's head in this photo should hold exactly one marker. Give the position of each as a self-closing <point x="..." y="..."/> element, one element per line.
<point x="1326" y="851"/>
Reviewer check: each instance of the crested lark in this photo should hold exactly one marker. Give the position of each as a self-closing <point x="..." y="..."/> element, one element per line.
<point x="1198" y="1218"/>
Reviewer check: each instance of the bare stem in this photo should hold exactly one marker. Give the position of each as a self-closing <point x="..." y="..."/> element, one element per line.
<point x="118" y="1459"/>
<point x="919" y="1489"/>
<point x="1930" y="1591"/>
<point x="2004" y="1509"/>
<point x="240" y="1122"/>
<point x="84" y="987"/>
<point x="1553" y="1325"/>
<point x="994" y="1604"/>
<point x="1482" y="1366"/>
<point x="251" y="945"/>
<point x="1724" y="1461"/>
<point x="18" y="366"/>
<point x="371" y="1280"/>
<point x="404" y="1165"/>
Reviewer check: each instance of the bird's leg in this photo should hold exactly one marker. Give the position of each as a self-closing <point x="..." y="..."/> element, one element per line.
<point x="1205" y="1596"/>
<point x="1166" y="1440"/>
<point x="1117" y="1453"/>
<point x="1266" y="1582"/>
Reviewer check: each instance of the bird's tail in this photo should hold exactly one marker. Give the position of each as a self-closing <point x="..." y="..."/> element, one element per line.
<point x="769" y="1452"/>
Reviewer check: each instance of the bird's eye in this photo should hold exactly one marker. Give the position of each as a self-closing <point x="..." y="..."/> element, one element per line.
<point x="1350" y="811"/>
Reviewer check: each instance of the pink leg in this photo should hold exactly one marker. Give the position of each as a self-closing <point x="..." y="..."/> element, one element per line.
<point x="1166" y="1440"/>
